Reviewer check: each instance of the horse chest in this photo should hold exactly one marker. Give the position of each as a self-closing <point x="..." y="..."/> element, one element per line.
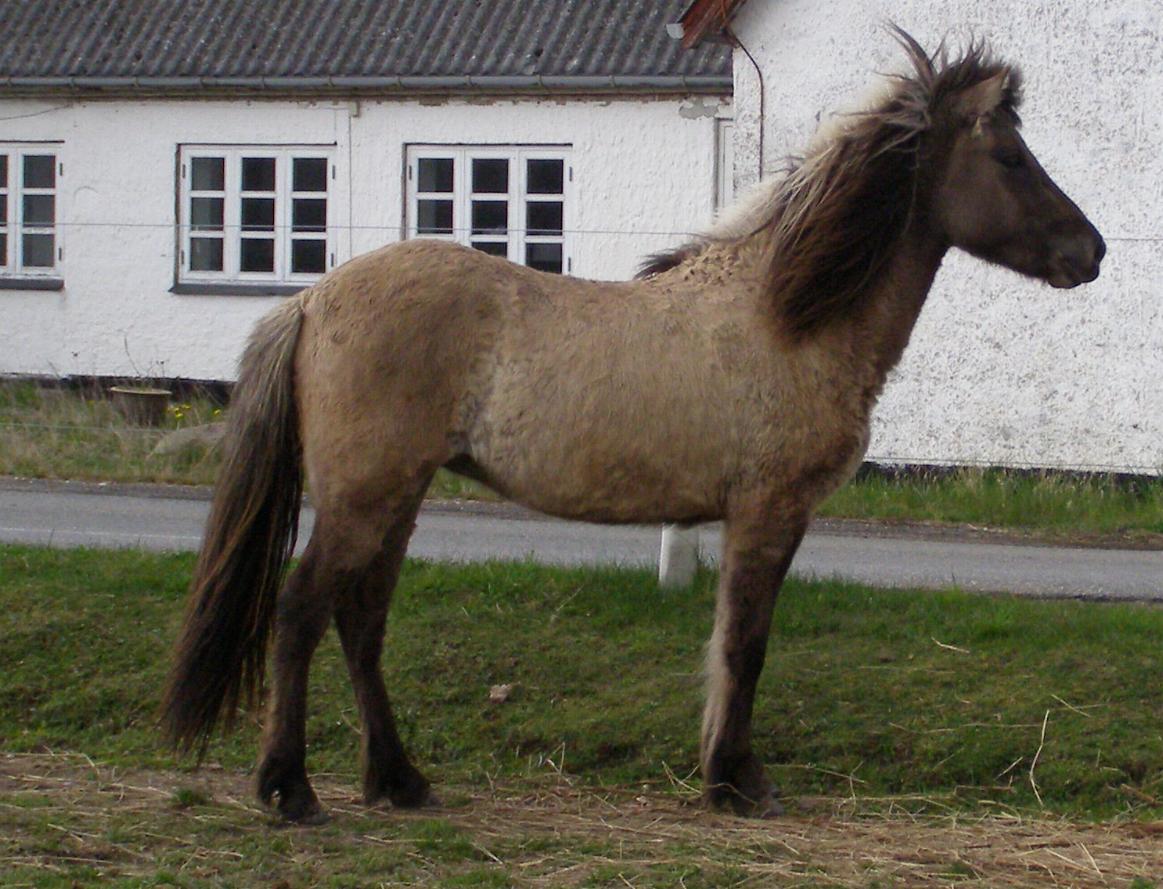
<point x="811" y="440"/>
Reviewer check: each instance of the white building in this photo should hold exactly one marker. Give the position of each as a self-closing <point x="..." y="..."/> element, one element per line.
<point x="1001" y="370"/>
<point x="169" y="168"/>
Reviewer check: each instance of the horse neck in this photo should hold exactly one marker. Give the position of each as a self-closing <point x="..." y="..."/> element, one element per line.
<point x="881" y="331"/>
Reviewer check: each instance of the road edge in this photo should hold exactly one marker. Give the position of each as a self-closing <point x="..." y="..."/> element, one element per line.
<point x="903" y="529"/>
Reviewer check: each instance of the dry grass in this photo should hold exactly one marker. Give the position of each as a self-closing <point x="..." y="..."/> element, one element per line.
<point x="49" y="433"/>
<point x="64" y="811"/>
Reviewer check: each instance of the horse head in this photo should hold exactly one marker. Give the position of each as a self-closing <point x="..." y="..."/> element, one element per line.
<point x="993" y="199"/>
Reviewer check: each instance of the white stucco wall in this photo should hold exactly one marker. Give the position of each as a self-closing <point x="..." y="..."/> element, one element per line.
<point x="644" y="178"/>
<point x="1002" y="370"/>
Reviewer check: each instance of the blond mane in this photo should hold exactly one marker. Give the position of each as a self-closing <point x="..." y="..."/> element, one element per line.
<point x="831" y="223"/>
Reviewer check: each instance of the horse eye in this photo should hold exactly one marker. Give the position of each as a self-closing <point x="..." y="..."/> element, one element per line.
<point x="1011" y="160"/>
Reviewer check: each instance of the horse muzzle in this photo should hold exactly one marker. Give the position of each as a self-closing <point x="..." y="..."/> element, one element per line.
<point x="1076" y="262"/>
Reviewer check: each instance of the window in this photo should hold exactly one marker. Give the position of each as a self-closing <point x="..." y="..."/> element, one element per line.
<point x="28" y="210"/>
<point x="254" y="215"/>
<point x="509" y="202"/>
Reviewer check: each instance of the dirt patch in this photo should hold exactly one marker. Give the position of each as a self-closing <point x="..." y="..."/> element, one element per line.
<point x="852" y="851"/>
<point x="63" y="811"/>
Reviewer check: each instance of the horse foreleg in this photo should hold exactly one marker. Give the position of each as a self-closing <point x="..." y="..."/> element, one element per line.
<point x="360" y="619"/>
<point x="752" y="570"/>
<point x="303" y="612"/>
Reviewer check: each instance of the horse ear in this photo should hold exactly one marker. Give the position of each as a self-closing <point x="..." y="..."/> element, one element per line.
<point x="983" y="98"/>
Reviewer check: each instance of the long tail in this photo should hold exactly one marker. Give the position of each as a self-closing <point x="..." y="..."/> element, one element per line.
<point x="250" y="535"/>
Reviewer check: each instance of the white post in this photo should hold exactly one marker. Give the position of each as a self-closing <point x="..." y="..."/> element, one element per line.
<point x="679" y="556"/>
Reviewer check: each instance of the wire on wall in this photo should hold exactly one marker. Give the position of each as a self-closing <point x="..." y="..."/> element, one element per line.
<point x="762" y="92"/>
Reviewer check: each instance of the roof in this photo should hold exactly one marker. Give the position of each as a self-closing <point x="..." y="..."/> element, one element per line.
<point x="373" y="44"/>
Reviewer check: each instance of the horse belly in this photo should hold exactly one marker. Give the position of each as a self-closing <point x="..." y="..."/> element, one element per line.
<point x="608" y="460"/>
<point x="611" y="491"/>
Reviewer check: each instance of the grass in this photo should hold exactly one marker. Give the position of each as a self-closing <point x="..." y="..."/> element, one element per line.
<point x="882" y="714"/>
<point x="1054" y="503"/>
<point x="53" y="433"/>
<point x="63" y="434"/>
<point x="47" y="433"/>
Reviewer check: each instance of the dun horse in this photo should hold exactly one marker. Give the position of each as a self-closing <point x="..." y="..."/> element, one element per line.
<point x="733" y="381"/>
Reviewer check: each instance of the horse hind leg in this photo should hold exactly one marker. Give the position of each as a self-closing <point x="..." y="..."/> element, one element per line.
<point x="360" y="617"/>
<point x="302" y="615"/>
<point x="343" y="551"/>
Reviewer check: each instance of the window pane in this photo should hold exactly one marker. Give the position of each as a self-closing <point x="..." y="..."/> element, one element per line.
<point x="3" y="248"/>
<point x="493" y="248"/>
<point x="208" y="173"/>
<point x="258" y="214"/>
<point x="38" y="209"/>
<point x="308" y="256"/>
<point x="434" y="217"/>
<point x="490" y="217"/>
<point x="309" y="214"/>
<point x="546" y="257"/>
<point x="545" y="177"/>
<point x="258" y="174"/>
<point x="206" y="213"/>
<point x="257" y="255"/>
<point x="3" y="171"/>
<point x="40" y="171"/>
<point x="434" y="174"/>
<point x="38" y="251"/>
<point x="490" y="175"/>
<point x="3" y="209"/>
<point x="543" y="217"/>
<point x="205" y="254"/>
<point x="309" y="174"/>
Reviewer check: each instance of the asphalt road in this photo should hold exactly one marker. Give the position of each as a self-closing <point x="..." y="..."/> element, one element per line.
<point x="66" y="515"/>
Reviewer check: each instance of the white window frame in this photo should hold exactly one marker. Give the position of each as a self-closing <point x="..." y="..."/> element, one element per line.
<point x="516" y="237"/>
<point x="232" y="233"/>
<point x="12" y="192"/>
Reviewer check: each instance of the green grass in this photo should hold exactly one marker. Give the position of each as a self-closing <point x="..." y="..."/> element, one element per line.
<point x="874" y="691"/>
<point x="63" y="434"/>
<point x="50" y="433"/>
<point x="1067" y="505"/>
<point x="873" y="703"/>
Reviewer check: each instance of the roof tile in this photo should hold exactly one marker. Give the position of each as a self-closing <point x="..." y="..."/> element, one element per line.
<point x="348" y="38"/>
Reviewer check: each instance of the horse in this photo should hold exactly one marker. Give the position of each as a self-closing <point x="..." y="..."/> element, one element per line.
<point x="733" y="380"/>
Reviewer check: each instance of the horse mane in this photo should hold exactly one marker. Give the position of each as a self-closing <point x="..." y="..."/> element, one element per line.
<point x="828" y="227"/>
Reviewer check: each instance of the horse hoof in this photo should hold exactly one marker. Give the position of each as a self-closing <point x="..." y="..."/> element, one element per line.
<point x="289" y="793"/>
<point x="770" y="807"/>
<point x="430" y="800"/>
<point x="764" y="804"/>
<point x="414" y="798"/>
<point x="299" y="811"/>
<point x="310" y="818"/>
<point x="413" y="792"/>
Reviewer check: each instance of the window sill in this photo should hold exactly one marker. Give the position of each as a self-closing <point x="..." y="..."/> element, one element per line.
<point x="32" y="283"/>
<point x="211" y="289"/>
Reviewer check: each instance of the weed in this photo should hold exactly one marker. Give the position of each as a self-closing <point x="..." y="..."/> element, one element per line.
<point x="187" y="798"/>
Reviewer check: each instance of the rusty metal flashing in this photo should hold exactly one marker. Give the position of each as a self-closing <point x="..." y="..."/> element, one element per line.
<point x="706" y="21"/>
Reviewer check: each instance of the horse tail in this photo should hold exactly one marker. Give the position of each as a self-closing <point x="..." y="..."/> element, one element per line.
<point x="221" y="651"/>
